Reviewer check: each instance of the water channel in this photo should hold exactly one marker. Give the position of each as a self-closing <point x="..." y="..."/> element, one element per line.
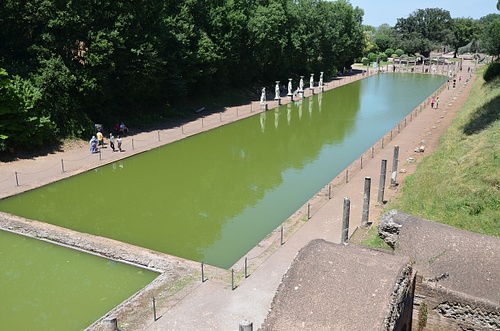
<point x="44" y="286"/>
<point x="213" y="196"/>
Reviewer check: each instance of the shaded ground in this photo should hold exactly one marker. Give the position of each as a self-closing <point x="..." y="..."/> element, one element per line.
<point x="183" y="301"/>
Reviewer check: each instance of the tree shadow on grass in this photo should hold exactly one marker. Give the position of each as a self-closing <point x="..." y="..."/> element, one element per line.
<point x="483" y="117"/>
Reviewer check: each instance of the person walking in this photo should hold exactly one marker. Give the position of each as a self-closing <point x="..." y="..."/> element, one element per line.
<point x="437" y="102"/>
<point x="112" y="141"/>
<point x="432" y="102"/>
<point x="100" y="138"/>
<point x="119" y="141"/>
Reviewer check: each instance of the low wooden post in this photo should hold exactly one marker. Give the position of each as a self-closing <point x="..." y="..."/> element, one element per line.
<point x="17" y="179"/>
<point x="62" y="165"/>
<point x="203" y="272"/>
<point x="154" y="309"/>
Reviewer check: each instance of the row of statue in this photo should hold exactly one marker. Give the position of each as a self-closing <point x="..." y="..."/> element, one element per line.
<point x="300" y="88"/>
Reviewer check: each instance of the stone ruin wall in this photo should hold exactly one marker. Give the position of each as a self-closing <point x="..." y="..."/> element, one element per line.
<point x="447" y="310"/>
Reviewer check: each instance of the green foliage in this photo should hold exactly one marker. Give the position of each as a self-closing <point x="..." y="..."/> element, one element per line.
<point x="372" y="57"/>
<point x="382" y="57"/>
<point x="425" y="30"/>
<point x="389" y="52"/>
<point x="491" y="37"/>
<point x="21" y="123"/>
<point x="372" y="239"/>
<point x="465" y="30"/>
<point x="399" y="52"/>
<point x="120" y="60"/>
<point x="492" y="71"/>
<point x="422" y="316"/>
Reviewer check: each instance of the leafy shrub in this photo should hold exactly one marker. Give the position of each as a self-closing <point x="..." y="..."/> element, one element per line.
<point x="382" y="57"/>
<point x="399" y="52"/>
<point x="389" y="52"/>
<point x="492" y="71"/>
<point x="372" y="57"/>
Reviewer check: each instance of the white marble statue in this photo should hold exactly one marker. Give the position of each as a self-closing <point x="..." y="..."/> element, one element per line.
<point x="263" y="96"/>
<point x="289" y="86"/>
<point x="301" y="84"/>
<point x="311" y="82"/>
<point x="277" y="90"/>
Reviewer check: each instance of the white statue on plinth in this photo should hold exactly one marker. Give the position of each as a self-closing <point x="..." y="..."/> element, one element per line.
<point x="289" y="86"/>
<point x="277" y="90"/>
<point x="311" y="82"/>
<point x="301" y="84"/>
<point x="321" y="81"/>
<point x="263" y="96"/>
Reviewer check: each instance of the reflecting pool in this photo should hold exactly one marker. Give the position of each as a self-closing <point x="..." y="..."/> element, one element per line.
<point x="213" y="196"/>
<point x="44" y="286"/>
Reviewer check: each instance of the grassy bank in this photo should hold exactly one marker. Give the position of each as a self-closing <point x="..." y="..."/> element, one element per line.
<point x="459" y="184"/>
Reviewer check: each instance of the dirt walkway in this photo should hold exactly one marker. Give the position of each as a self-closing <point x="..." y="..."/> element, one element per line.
<point x="214" y="304"/>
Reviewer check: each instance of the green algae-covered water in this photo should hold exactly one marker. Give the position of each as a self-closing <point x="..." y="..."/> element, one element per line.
<point x="48" y="287"/>
<point x="213" y="196"/>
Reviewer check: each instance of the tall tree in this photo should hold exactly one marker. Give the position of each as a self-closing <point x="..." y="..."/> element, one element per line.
<point x="465" y="30"/>
<point x="491" y="38"/>
<point x="267" y="28"/>
<point x="425" y="30"/>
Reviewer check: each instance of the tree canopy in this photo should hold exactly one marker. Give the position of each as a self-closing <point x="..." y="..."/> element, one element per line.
<point x="65" y="65"/>
<point x="81" y="62"/>
<point x="424" y="30"/>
